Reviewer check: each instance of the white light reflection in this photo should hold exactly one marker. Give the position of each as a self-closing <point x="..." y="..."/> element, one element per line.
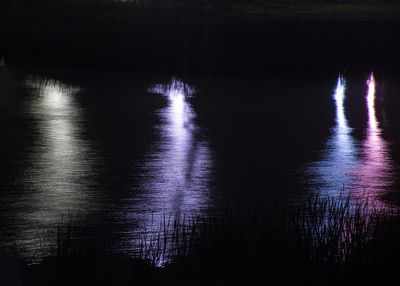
<point x="177" y="171"/>
<point x="339" y="100"/>
<point x="56" y="177"/>
<point x="332" y="174"/>
<point x="375" y="173"/>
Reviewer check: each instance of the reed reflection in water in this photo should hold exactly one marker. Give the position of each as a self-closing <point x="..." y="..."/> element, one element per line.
<point x="363" y="170"/>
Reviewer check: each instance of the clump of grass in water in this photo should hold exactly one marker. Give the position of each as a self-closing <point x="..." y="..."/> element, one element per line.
<point x="175" y="237"/>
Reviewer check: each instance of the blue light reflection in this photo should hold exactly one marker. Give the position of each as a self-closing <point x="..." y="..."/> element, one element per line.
<point x="331" y="174"/>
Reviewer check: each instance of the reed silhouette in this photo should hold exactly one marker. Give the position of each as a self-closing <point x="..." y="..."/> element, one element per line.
<point x="306" y="243"/>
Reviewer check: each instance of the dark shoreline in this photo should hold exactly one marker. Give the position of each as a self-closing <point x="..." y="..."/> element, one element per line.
<point x="200" y="41"/>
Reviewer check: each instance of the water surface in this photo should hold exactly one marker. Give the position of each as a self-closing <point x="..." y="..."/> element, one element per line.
<point x="123" y="152"/>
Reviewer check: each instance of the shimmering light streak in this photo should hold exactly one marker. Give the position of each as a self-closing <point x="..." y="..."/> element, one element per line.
<point x="374" y="175"/>
<point x="177" y="171"/>
<point x="372" y="121"/>
<point x="339" y="100"/>
<point x="363" y="171"/>
<point x="331" y="175"/>
<point x="57" y="175"/>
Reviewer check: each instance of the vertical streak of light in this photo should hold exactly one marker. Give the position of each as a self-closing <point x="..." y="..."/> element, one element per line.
<point x="373" y="124"/>
<point x="176" y="170"/>
<point x="330" y="175"/>
<point x="339" y="97"/>
<point x="374" y="174"/>
<point x="58" y="169"/>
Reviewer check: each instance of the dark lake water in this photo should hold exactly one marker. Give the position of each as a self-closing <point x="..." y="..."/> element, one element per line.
<point x="124" y="151"/>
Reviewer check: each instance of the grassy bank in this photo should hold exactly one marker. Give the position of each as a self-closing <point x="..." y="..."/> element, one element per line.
<point x="315" y="242"/>
<point x="201" y="36"/>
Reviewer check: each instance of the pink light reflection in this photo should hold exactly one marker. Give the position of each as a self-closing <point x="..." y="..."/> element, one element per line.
<point x="372" y="122"/>
<point x="374" y="174"/>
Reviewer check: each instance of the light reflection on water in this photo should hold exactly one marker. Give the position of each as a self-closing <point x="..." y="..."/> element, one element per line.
<point x="60" y="173"/>
<point x="363" y="169"/>
<point x="333" y="171"/>
<point x="61" y="167"/>
<point x="375" y="171"/>
<point x="177" y="170"/>
<point x="58" y="170"/>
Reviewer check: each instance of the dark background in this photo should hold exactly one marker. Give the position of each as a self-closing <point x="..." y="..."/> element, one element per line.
<point x="202" y="37"/>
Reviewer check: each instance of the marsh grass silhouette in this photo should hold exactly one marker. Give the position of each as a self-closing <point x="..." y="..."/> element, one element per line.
<point x="334" y="241"/>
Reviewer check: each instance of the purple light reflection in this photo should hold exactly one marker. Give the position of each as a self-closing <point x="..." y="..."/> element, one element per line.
<point x="177" y="169"/>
